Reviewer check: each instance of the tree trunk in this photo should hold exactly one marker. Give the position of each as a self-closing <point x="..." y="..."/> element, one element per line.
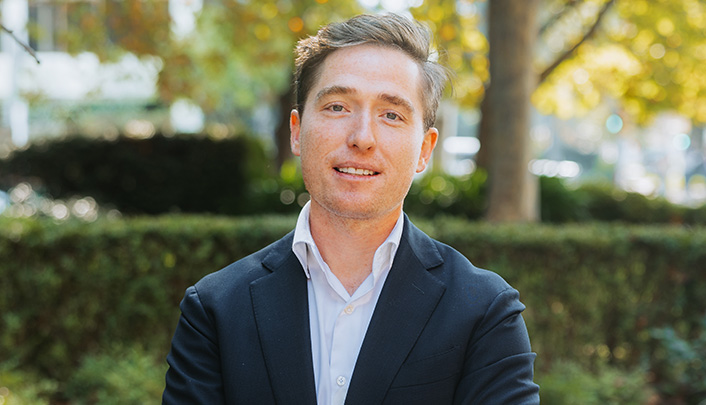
<point x="483" y="155"/>
<point x="512" y="34"/>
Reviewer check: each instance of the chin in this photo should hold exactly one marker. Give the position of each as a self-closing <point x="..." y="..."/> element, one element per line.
<point x="361" y="210"/>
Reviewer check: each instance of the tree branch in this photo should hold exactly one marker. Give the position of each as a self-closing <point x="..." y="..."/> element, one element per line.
<point x="570" y="4"/>
<point x="22" y="44"/>
<point x="606" y="6"/>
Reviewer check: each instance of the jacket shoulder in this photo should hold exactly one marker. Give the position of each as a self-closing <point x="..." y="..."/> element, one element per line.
<point x="460" y="271"/>
<point x="450" y="266"/>
<point x="241" y="273"/>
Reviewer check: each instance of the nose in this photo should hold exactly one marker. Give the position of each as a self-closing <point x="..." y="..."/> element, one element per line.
<point x="362" y="133"/>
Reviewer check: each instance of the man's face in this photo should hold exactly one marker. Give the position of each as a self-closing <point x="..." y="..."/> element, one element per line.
<point x="361" y="137"/>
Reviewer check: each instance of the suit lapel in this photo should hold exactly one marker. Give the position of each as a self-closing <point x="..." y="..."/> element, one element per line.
<point x="406" y="303"/>
<point x="281" y="312"/>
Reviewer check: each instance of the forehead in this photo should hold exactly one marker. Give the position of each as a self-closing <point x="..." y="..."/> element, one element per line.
<point x="371" y="69"/>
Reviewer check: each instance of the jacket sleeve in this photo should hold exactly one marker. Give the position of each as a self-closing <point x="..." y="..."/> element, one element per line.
<point x="499" y="364"/>
<point x="194" y="374"/>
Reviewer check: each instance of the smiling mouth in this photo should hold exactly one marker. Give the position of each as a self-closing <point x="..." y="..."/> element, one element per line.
<point x="357" y="172"/>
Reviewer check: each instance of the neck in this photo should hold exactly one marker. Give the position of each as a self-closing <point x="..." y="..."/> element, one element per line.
<point x="348" y="245"/>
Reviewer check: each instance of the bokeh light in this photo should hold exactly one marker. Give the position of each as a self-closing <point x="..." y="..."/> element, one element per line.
<point x="24" y="201"/>
<point x="551" y="168"/>
<point x="614" y="123"/>
<point x="682" y="141"/>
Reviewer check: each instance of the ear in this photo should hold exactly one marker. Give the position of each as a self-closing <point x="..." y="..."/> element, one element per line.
<point x="428" y="144"/>
<point x="294" y="132"/>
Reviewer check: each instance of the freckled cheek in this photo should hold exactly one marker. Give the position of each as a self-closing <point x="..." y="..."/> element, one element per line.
<point x="401" y="153"/>
<point x="314" y="153"/>
<point x="322" y="134"/>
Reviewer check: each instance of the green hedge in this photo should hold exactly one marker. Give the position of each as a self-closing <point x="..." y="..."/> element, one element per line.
<point x="437" y="194"/>
<point x="592" y="201"/>
<point x="595" y="293"/>
<point x="70" y="289"/>
<point x="183" y="173"/>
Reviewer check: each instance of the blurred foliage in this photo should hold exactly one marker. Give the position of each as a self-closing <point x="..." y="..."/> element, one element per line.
<point x="648" y="55"/>
<point x="155" y="175"/>
<point x="70" y="290"/>
<point x="119" y="376"/>
<point x="560" y="204"/>
<point x="645" y="54"/>
<point x="111" y="27"/>
<point x="436" y="193"/>
<point x="604" y="202"/>
<point x="238" y="56"/>
<point x="593" y="292"/>
<point x="679" y="364"/>
<point x="23" y="387"/>
<point x="115" y="375"/>
<point x="568" y="383"/>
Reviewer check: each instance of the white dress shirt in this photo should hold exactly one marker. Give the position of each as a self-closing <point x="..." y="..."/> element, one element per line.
<point x="338" y="321"/>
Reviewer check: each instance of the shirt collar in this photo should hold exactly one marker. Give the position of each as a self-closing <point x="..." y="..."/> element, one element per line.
<point x="303" y="241"/>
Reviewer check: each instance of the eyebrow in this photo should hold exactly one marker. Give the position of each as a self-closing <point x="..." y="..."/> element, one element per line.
<point x="397" y="101"/>
<point x="332" y="90"/>
<point x="389" y="98"/>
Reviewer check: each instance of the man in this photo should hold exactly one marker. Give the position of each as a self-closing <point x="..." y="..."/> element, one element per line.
<point x="356" y="305"/>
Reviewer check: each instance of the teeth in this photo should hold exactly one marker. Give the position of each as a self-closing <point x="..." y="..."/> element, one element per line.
<point x="359" y="172"/>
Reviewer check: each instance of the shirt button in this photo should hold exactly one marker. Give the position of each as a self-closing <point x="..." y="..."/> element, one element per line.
<point x="341" y="381"/>
<point x="349" y="309"/>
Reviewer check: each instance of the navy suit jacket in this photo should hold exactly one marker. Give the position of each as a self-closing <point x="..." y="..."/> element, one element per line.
<point x="443" y="332"/>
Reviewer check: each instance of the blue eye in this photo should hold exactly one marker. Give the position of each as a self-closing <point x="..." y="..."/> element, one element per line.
<point x="337" y="108"/>
<point x="391" y="116"/>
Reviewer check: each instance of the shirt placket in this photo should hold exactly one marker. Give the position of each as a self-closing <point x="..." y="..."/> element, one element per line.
<point x="346" y="326"/>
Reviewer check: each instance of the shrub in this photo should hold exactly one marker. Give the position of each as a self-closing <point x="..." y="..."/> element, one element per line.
<point x="679" y="364"/>
<point x="568" y="383"/>
<point x="156" y="175"/>
<point x="71" y="289"/>
<point x="560" y="204"/>
<point x="120" y="376"/>
<point x="434" y="194"/>
<point x="604" y="202"/>
<point x="22" y="387"/>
